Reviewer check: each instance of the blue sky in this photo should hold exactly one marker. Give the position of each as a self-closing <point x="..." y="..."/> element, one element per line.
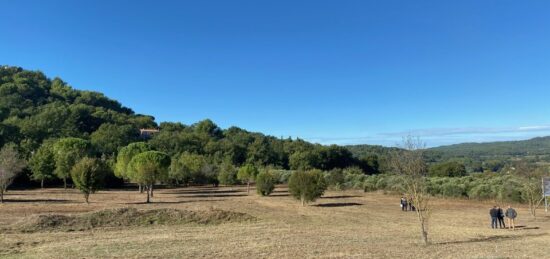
<point x="344" y="72"/>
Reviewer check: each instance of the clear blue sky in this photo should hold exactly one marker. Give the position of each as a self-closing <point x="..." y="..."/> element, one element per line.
<point x="328" y="71"/>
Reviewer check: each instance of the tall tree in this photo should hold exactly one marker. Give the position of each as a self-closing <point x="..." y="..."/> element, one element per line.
<point x="124" y="157"/>
<point x="42" y="164"/>
<point x="10" y="166"/>
<point x="67" y="152"/>
<point x="149" y="167"/>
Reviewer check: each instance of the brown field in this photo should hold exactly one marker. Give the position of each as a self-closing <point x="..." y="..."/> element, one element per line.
<point x="349" y="224"/>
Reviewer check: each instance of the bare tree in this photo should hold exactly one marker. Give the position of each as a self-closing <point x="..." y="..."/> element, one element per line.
<point x="530" y="178"/>
<point x="10" y="166"/>
<point x="409" y="162"/>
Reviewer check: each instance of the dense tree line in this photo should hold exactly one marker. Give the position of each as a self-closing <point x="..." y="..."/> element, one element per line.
<point x="54" y="127"/>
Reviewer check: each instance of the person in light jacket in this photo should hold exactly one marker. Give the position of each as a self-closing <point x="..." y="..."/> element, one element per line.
<point x="511" y="215"/>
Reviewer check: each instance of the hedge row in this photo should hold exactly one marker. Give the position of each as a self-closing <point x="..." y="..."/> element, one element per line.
<point x="479" y="187"/>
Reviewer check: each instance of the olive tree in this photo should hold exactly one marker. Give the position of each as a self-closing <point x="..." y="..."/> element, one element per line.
<point x="42" y="164"/>
<point x="265" y="183"/>
<point x="247" y="173"/>
<point x="88" y="175"/>
<point x="408" y="161"/>
<point x="10" y="166"/>
<point x="307" y="186"/>
<point x="67" y="152"/>
<point x="147" y="168"/>
<point x="124" y="157"/>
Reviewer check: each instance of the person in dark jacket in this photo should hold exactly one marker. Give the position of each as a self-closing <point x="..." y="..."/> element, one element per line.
<point x="511" y="215"/>
<point x="501" y="217"/>
<point x="403" y="204"/>
<point x="494" y="216"/>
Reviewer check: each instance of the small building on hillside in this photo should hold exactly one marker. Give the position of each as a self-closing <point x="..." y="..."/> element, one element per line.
<point x="148" y="133"/>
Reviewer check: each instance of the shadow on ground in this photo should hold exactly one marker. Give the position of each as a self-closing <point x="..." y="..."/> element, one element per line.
<point x="341" y="197"/>
<point x="339" y="204"/>
<point x="491" y="239"/>
<point x="39" y="200"/>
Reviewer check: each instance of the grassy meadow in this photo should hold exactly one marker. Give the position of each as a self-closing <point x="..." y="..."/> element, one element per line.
<point x="350" y="224"/>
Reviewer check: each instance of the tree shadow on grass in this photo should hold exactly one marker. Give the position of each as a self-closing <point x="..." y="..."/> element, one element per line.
<point x="339" y="204"/>
<point x="38" y="200"/>
<point x="168" y="202"/>
<point x="203" y="191"/>
<point x="341" y="197"/>
<point x="279" y="194"/>
<point x="211" y="195"/>
<point x="490" y="239"/>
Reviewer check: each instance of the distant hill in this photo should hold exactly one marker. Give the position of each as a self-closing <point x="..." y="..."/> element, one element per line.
<point x="475" y="151"/>
<point x="533" y="147"/>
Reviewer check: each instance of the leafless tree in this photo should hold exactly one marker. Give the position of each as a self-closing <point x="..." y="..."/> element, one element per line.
<point x="10" y="166"/>
<point x="530" y="178"/>
<point x="409" y="163"/>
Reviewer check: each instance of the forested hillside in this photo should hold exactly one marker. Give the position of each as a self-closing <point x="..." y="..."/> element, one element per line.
<point x="36" y="112"/>
<point x="34" y="108"/>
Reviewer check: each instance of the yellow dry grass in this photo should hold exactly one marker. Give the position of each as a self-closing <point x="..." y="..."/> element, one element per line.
<point x="348" y="224"/>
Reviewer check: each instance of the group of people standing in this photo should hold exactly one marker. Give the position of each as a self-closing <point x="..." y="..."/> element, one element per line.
<point x="407" y="205"/>
<point x="497" y="217"/>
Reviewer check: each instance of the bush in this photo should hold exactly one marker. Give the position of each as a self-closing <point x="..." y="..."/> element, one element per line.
<point x="307" y="186"/>
<point x="452" y="189"/>
<point x="448" y="169"/>
<point x="228" y="177"/>
<point x="335" y="178"/>
<point x="481" y="192"/>
<point x="265" y="183"/>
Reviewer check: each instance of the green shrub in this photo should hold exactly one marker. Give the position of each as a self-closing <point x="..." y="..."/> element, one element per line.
<point x="307" y="186"/>
<point x="228" y="174"/>
<point x="452" y="189"/>
<point x="265" y="183"/>
<point x="335" y="178"/>
<point x="481" y="192"/>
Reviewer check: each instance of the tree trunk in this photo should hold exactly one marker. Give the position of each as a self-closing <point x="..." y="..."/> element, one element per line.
<point x="64" y="182"/>
<point x="424" y="233"/>
<point x="1" y="195"/>
<point x="148" y="195"/>
<point x="303" y="201"/>
<point x="247" y="187"/>
<point x="151" y="188"/>
<point x="86" y="196"/>
<point x="42" y="183"/>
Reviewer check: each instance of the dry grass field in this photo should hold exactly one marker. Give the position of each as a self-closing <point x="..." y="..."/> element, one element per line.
<point x="349" y="224"/>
